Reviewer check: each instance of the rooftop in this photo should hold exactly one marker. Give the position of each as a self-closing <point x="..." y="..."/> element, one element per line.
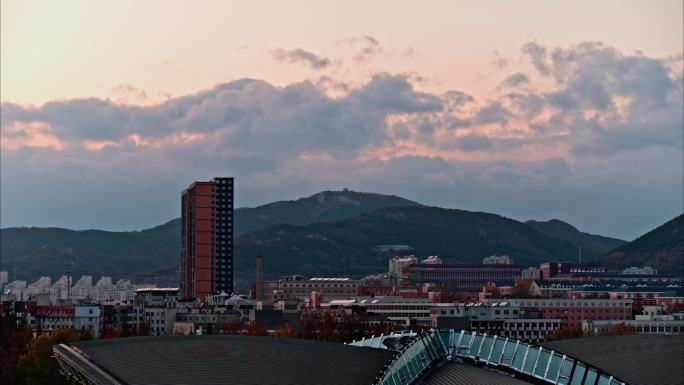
<point x="242" y="359"/>
<point x="453" y="373"/>
<point x="157" y="290"/>
<point x="638" y="359"/>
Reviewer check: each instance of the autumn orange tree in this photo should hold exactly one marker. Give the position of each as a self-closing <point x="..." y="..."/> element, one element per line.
<point x="618" y="329"/>
<point x="286" y="330"/>
<point x="37" y="367"/>
<point x="256" y="329"/>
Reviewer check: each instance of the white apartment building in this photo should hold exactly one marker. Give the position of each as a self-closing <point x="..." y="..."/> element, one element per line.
<point x="88" y="318"/>
<point x="83" y="288"/>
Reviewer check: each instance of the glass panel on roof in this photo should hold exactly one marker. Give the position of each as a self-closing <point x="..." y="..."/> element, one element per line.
<point x="604" y="380"/>
<point x="444" y="334"/>
<point x="578" y="375"/>
<point x="475" y="345"/>
<point x="590" y="379"/>
<point x="519" y="356"/>
<point x="486" y="347"/>
<point x="465" y="342"/>
<point x="554" y="367"/>
<point x="435" y="346"/>
<point x="507" y="358"/>
<point x="531" y="358"/>
<point x="496" y="351"/>
<point x="542" y="361"/>
<point x="566" y="370"/>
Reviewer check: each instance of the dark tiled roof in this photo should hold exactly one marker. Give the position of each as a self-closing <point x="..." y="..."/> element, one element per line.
<point x="454" y="373"/>
<point x="636" y="359"/>
<point x="234" y="359"/>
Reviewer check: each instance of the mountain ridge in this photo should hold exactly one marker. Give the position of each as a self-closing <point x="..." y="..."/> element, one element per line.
<point x="331" y="226"/>
<point x="348" y="245"/>
<point x="661" y="248"/>
<point x="592" y="244"/>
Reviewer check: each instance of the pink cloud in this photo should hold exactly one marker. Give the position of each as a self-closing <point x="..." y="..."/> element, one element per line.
<point x="34" y="134"/>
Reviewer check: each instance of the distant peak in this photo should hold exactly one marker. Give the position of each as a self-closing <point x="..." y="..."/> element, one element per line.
<point x="555" y="223"/>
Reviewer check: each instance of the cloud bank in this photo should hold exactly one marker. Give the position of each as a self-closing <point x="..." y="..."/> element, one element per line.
<point x="584" y="133"/>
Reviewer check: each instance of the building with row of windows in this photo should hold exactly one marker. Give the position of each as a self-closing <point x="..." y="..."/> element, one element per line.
<point x="463" y="277"/>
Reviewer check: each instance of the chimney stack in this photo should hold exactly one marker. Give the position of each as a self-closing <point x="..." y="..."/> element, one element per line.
<point x="259" y="278"/>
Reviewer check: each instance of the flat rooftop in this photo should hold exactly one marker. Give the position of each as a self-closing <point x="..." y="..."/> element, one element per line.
<point x="242" y="360"/>
<point x="638" y="359"/>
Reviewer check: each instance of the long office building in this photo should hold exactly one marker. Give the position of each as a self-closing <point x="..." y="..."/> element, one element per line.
<point x="462" y="277"/>
<point x="207" y="238"/>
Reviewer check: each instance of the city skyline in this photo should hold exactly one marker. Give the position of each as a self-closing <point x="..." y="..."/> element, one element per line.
<point x="432" y="104"/>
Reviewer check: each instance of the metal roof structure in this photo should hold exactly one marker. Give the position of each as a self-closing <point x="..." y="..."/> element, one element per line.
<point x="638" y="359"/>
<point x="434" y="348"/>
<point x="453" y="373"/>
<point x="244" y="360"/>
<point x="435" y="357"/>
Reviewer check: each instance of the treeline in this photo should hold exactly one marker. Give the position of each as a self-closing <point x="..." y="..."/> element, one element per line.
<point x="326" y="325"/>
<point x="28" y="360"/>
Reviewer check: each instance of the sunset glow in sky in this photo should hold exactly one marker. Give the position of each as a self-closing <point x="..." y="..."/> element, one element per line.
<point x="529" y="109"/>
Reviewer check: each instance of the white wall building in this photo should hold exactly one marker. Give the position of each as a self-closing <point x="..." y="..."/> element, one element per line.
<point x="88" y="318"/>
<point x="497" y="260"/>
<point x="83" y="288"/>
<point x="646" y="270"/>
<point x="41" y="286"/>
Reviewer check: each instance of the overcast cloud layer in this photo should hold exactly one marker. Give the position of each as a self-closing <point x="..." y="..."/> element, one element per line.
<point x="582" y="133"/>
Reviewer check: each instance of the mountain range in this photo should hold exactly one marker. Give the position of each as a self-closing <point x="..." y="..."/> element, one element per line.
<point x="329" y="233"/>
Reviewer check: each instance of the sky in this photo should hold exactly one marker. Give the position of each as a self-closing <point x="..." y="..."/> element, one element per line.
<point x="529" y="109"/>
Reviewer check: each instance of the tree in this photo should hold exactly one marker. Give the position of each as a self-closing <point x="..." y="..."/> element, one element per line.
<point x="37" y="367"/>
<point x="564" y="334"/>
<point x="618" y="329"/>
<point x="311" y="324"/>
<point x="14" y="341"/>
<point x="256" y="329"/>
<point x="286" y="330"/>
<point x="143" y="329"/>
<point x="522" y="289"/>
<point x="228" y="328"/>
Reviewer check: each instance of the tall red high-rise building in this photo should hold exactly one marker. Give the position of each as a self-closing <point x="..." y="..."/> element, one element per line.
<point x="207" y="238"/>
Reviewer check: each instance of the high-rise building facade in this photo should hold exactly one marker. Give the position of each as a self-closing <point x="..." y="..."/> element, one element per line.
<point x="207" y="238"/>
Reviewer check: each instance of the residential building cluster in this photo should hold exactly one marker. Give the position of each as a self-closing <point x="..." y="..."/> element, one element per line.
<point x="496" y="297"/>
<point x="105" y="289"/>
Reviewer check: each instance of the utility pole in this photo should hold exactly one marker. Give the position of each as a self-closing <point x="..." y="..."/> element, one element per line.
<point x="67" y="272"/>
